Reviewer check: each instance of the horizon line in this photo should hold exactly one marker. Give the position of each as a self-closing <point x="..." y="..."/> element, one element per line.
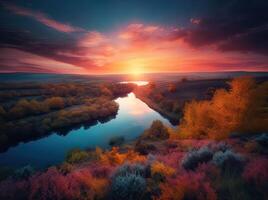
<point x="146" y="73"/>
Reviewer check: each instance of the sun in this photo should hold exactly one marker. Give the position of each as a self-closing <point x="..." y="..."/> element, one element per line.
<point x="136" y="67"/>
<point x="136" y="71"/>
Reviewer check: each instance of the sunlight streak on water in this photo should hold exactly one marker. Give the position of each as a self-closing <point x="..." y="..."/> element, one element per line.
<point x="138" y="83"/>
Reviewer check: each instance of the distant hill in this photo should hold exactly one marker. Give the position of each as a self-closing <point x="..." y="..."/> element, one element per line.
<point x="42" y="77"/>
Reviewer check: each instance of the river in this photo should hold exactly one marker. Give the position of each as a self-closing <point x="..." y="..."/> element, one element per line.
<point x="133" y="117"/>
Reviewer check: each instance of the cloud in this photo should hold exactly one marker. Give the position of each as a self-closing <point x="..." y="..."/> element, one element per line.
<point x="195" y="21"/>
<point x="14" y="60"/>
<point x="42" y="18"/>
<point x="135" y="47"/>
<point x="151" y="36"/>
<point x="91" y="39"/>
<point x="240" y="25"/>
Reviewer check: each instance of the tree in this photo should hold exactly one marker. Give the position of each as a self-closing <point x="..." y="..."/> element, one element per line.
<point x="172" y="88"/>
<point x="241" y="109"/>
<point x="55" y="102"/>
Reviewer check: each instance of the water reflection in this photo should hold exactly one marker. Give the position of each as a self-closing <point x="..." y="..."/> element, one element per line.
<point x="132" y="119"/>
<point x="138" y="83"/>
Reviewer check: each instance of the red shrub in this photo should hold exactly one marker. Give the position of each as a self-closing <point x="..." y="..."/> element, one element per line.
<point x="171" y="159"/>
<point x="188" y="186"/>
<point x="49" y="185"/>
<point x="256" y="172"/>
<point x="101" y="171"/>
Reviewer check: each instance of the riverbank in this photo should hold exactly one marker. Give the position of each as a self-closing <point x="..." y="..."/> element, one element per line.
<point x="169" y="98"/>
<point x="174" y="118"/>
<point x="57" y="107"/>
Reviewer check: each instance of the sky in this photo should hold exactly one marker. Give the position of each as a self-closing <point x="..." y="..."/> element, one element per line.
<point x="133" y="36"/>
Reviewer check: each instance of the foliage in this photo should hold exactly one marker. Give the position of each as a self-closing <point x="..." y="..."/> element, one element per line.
<point x="128" y="183"/>
<point x="191" y="185"/>
<point x="40" y="109"/>
<point x="5" y="172"/>
<point x="192" y="159"/>
<point x="76" y="156"/>
<point x="116" y="141"/>
<point x="162" y="169"/>
<point x="76" y="185"/>
<point x="256" y="174"/>
<point x="157" y="131"/>
<point x="55" y="102"/>
<point x="230" y="187"/>
<point x="262" y="139"/>
<point x="143" y="147"/>
<point x="114" y="157"/>
<point x="241" y="109"/>
<point x="24" y="172"/>
<point x="128" y="168"/>
<point x="229" y="161"/>
<point x="172" y="88"/>
<point x="65" y="168"/>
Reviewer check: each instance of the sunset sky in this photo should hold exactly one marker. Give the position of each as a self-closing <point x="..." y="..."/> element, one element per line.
<point x="133" y="36"/>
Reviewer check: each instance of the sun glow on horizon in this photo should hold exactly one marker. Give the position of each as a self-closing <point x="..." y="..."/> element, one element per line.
<point x="136" y="67"/>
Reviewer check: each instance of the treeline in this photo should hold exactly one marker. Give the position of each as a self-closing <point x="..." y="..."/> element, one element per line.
<point x="59" y="96"/>
<point x="12" y="132"/>
<point x="24" y="107"/>
<point x="72" y="106"/>
<point x="243" y="109"/>
<point x="94" y="89"/>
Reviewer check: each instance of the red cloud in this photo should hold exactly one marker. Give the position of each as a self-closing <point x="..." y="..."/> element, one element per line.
<point x="195" y="21"/>
<point x="42" y="18"/>
<point x="91" y="39"/>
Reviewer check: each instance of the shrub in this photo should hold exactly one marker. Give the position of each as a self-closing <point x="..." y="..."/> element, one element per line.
<point x="230" y="187"/>
<point x="156" y="131"/>
<point x="76" y="156"/>
<point x="262" y="139"/>
<point x="256" y="174"/>
<point x="78" y="184"/>
<point x="101" y="171"/>
<point x="5" y="172"/>
<point x="192" y="159"/>
<point x="128" y="183"/>
<point x="49" y="185"/>
<point x="158" y="168"/>
<point x="24" y="172"/>
<point x="129" y="187"/>
<point x="65" y="168"/>
<point x="228" y="161"/>
<point x="144" y="148"/>
<point x="116" y="141"/>
<point x="114" y="157"/>
<point x="189" y="185"/>
<point x="127" y="168"/>
<point x="221" y="146"/>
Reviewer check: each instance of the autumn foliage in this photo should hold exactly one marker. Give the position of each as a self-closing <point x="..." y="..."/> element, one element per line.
<point x="241" y="109"/>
